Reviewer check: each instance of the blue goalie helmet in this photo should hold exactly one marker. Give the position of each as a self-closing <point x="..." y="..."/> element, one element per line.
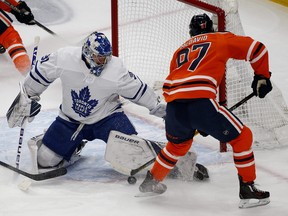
<point x="97" y="52"/>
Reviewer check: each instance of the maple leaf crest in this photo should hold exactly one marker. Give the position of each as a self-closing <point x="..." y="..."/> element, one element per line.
<point x="82" y="104"/>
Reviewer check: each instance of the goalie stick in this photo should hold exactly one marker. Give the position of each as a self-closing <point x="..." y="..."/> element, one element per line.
<point x="37" y="177"/>
<point x="25" y="120"/>
<point x="135" y="171"/>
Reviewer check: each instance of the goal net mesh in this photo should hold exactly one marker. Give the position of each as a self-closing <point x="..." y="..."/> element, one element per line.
<point x="150" y="31"/>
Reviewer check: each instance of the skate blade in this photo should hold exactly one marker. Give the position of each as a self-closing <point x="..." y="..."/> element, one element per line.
<point x="250" y="203"/>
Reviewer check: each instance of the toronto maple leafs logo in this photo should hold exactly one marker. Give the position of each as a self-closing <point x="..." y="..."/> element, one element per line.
<point x="82" y="104"/>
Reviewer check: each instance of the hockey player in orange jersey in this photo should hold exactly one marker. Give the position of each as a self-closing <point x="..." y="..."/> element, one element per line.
<point x="190" y="90"/>
<point x="10" y="40"/>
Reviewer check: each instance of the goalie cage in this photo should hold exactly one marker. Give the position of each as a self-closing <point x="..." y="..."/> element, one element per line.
<point x="145" y="35"/>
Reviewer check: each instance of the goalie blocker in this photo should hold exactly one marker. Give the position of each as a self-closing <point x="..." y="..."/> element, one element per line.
<point x="128" y="153"/>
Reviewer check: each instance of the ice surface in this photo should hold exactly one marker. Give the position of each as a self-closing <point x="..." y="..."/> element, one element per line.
<point x="91" y="186"/>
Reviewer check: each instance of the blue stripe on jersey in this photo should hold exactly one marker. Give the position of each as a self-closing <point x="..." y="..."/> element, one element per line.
<point x="144" y="90"/>
<point x="40" y="75"/>
<point x="36" y="80"/>
<point x="141" y="90"/>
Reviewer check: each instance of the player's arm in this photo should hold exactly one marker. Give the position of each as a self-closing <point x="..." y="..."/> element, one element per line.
<point x="26" y="105"/>
<point x="5" y="7"/>
<point x="134" y="89"/>
<point x="256" y="53"/>
<point x="42" y="75"/>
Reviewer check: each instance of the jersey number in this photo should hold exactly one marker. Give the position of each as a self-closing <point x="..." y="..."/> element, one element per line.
<point x="183" y="55"/>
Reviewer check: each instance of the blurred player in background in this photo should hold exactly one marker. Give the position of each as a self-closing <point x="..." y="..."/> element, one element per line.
<point x="10" y="39"/>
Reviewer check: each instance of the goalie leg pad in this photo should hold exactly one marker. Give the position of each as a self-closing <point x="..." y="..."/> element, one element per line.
<point x="47" y="157"/>
<point x="127" y="152"/>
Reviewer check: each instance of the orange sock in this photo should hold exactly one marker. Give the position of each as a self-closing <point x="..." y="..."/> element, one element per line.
<point x="243" y="155"/>
<point x="168" y="157"/>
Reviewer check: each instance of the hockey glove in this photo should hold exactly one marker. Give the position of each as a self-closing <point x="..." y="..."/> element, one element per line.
<point x="24" y="15"/>
<point x="261" y="86"/>
<point x="22" y="107"/>
<point x="159" y="111"/>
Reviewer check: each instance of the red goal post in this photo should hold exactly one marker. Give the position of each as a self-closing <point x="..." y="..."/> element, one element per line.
<point x="145" y="35"/>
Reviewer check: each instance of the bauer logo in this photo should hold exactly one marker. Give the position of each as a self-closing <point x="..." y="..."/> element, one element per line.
<point x="82" y="104"/>
<point x="126" y="139"/>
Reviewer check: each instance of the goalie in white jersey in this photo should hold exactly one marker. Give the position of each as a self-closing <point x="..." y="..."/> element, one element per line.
<point x="92" y="81"/>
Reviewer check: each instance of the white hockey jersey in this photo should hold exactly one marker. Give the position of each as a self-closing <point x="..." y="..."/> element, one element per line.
<point x="85" y="97"/>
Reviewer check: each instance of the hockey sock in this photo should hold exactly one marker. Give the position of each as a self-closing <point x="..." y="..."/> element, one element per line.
<point x="167" y="159"/>
<point x="243" y="155"/>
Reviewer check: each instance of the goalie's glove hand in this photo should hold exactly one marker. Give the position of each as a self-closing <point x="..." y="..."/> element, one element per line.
<point x="22" y="107"/>
<point x="261" y="86"/>
<point x="24" y="15"/>
<point x="159" y="111"/>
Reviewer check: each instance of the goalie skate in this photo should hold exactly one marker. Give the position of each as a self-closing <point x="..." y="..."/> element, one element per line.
<point x="251" y="196"/>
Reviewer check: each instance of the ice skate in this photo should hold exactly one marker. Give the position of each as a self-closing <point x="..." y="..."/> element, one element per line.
<point x="152" y="186"/>
<point x="251" y="196"/>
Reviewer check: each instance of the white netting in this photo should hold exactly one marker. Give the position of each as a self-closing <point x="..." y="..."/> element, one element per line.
<point x="150" y="32"/>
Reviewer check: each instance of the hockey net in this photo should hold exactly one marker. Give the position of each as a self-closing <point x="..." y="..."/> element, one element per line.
<point x="145" y="35"/>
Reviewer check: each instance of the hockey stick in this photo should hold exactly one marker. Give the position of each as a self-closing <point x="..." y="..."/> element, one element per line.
<point x="45" y="28"/>
<point x="14" y="8"/>
<point x="37" y="177"/>
<point x="134" y="171"/>
<point x="244" y="100"/>
<point x="22" y="130"/>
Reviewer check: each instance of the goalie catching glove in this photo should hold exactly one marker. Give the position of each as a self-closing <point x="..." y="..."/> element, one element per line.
<point x="22" y="107"/>
<point x="261" y="86"/>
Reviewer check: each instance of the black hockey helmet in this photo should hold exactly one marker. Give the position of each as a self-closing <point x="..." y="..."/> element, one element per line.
<point x="200" y="24"/>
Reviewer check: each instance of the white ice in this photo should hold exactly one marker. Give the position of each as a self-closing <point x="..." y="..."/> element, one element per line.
<point x="91" y="186"/>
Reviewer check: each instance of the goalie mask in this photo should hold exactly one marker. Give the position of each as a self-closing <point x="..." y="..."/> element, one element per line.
<point x="200" y="24"/>
<point x="97" y="52"/>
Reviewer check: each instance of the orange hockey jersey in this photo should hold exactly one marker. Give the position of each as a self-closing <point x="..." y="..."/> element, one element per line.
<point x="198" y="66"/>
<point x="5" y="7"/>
